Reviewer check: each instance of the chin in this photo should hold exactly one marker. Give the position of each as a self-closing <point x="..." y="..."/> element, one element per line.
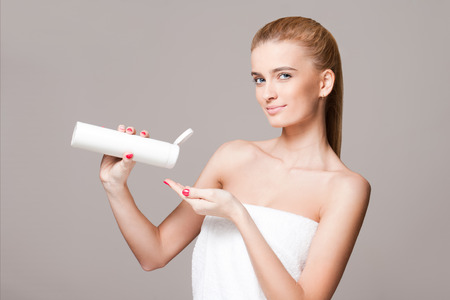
<point x="278" y="123"/>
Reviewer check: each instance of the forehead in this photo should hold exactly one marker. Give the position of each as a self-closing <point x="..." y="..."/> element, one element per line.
<point x="273" y="54"/>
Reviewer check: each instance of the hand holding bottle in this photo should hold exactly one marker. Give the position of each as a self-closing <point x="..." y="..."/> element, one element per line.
<point x="114" y="171"/>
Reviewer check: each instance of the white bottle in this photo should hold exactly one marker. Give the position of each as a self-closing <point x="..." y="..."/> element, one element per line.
<point x="116" y="143"/>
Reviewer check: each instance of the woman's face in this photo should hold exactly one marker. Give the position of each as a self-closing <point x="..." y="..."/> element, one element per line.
<point x="287" y="84"/>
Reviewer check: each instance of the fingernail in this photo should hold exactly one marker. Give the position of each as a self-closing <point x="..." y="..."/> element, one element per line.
<point x="129" y="129"/>
<point x="143" y="132"/>
<point x="129" y="156"/>
<point x="122" y="127"/>
<point x="186" y="192"/>
<point x="166" y="183"/>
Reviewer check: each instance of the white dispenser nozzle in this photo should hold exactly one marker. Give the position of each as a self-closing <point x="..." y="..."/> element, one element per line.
<point x="115" y="143"/>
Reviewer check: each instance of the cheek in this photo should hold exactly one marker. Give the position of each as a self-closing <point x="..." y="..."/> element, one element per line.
<point x="259" y="96"/>
<point x="304" y="89"/>
<point x="302" y="101"/>
<point x="302" y="94"/>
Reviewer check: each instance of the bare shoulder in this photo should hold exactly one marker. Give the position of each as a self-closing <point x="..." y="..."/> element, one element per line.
<point x="351" y="182"/>
<point x="238" y="145"/>
<point x="349" y="189"/>
<point x="236" y="151"/>
<point x="229" y="157"/>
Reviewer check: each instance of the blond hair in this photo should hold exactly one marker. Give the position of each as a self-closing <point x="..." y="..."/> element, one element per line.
<point x="323" y="50"/>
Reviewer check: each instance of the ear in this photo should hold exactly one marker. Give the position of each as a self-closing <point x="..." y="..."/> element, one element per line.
<point x="326" y="82"/>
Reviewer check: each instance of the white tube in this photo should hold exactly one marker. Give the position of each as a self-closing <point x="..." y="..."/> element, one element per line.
<point x="115" y="143"/>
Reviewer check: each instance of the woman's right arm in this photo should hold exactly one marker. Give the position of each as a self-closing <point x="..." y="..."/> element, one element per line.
<point x="153" y="246"/>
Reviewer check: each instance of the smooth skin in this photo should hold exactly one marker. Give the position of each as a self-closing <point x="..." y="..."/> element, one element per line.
<point x="297" y="172"/>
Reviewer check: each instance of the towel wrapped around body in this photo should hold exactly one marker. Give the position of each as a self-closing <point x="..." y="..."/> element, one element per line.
<point x="221" y="266"/>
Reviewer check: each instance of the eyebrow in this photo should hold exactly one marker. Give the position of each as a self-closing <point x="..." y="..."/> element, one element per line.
<point x="286" y="68"/>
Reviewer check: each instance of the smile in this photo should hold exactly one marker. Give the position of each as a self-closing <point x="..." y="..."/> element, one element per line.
<point x="274" y="109"/>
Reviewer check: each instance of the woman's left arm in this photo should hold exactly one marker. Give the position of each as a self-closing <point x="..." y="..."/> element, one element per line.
<point x="330" y="250"/>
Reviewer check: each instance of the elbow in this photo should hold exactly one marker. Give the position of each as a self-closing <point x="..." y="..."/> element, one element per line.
<point x="151" y="266"/>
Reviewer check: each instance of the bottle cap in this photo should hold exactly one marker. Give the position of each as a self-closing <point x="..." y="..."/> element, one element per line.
<point x="183" y="137"/>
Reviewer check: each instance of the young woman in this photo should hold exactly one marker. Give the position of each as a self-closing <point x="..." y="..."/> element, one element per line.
<point x="275" y="219"/>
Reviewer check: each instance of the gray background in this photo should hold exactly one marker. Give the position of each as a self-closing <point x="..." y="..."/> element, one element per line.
<point x="166" y="66"/>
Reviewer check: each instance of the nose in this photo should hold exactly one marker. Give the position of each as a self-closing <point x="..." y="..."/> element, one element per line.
<point x="269" y="92"/>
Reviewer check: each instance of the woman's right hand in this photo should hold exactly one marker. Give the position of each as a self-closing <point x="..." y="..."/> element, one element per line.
<point x="114" y="171"/>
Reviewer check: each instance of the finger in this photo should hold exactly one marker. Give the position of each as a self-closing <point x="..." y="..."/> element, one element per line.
<point x="200" y="206"/>
<point x="127" y="157"/>
<point x="144" y="133"/>
<point x="121" y="128"/>
<point x="196" y="193"/>
<point x="127" y="161"/>
<point x="131" y="130"/>
<point x="173" y="184"/>
<point x="177" y="187"/>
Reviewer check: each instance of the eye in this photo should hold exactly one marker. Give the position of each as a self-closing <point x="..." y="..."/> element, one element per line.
<point x="284" y="76"/>
<point x="258" y="80"/>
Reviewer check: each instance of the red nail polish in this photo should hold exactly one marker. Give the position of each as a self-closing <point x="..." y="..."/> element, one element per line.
<point x="143" y="133"/>
<point x="129" y="129"/>
<point x="166" y="183"/>
<point x="186" y="192"/>
<point x="129" y="156"/>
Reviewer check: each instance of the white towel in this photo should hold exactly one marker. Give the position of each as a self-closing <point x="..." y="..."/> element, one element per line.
<point x="221" y="267"/>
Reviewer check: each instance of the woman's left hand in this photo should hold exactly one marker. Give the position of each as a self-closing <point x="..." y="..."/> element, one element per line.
<point x="211" y="202"/>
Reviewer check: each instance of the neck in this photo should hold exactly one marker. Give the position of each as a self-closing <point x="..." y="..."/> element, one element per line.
<point x="304" y="146"/>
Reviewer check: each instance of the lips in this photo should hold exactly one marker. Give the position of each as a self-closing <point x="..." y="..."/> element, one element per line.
<point x="272" y="110"/>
